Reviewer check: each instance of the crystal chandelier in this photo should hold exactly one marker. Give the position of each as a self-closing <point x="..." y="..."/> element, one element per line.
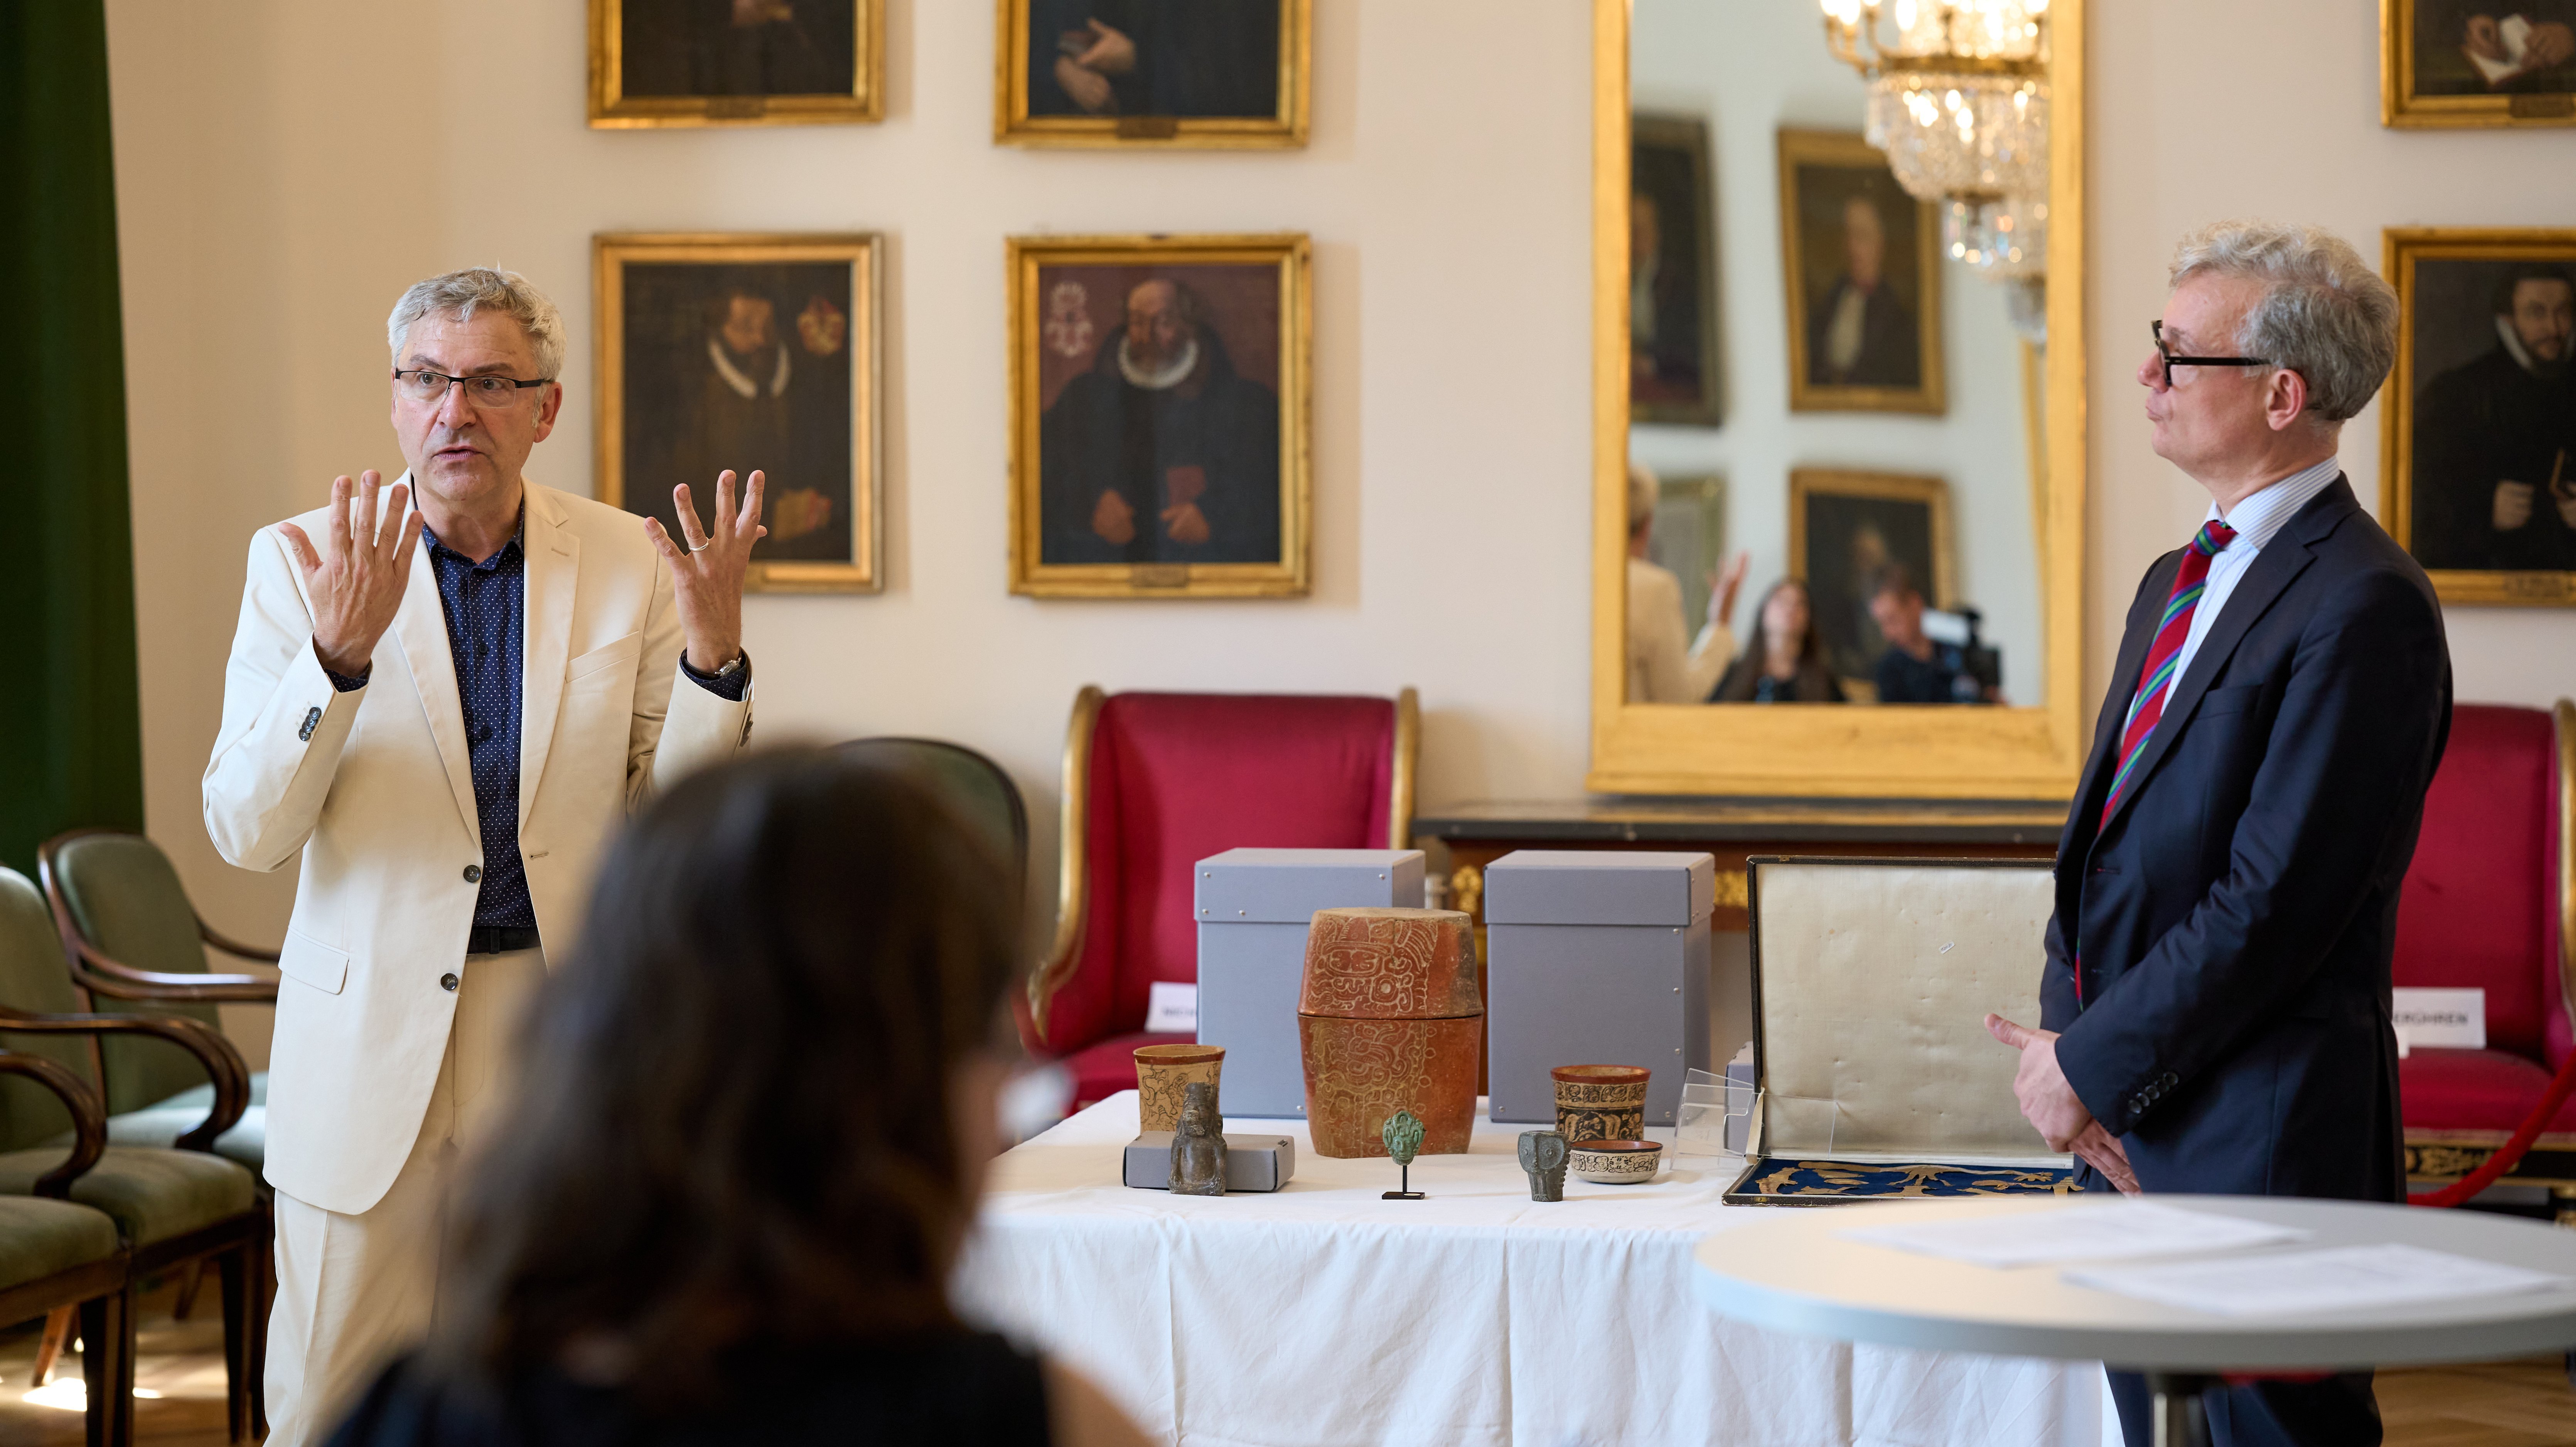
<point x="1958" y="99"/>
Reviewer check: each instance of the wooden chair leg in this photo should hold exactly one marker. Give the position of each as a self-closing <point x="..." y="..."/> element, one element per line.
<point x="191" y="1277"/>
<point x="49" y="1350"/>
<point x="107" y="1367"/>
<point x="234" y="1267"/>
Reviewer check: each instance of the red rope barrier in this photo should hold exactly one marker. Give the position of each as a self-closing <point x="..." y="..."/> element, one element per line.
<point x="2511" y="1152"/>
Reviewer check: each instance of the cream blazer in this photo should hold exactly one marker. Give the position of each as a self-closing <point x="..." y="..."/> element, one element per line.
<point x="373" y="788"/>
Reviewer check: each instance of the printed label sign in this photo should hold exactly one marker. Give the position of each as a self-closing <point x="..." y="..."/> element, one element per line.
<point x="1174" y="1008"/>
<point x="2456" y="1018"/>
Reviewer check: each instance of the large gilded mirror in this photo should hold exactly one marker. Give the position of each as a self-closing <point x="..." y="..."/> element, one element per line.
<point x="1839" y="398"/>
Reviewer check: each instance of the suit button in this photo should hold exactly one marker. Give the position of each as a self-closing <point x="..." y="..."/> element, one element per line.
<point x="474" y="874"/>
<point x="447" y="982"/>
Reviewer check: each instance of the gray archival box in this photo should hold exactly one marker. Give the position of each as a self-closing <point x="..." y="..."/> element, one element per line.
<point x="1595" y="957"/>
<point x="1253" y="907"/>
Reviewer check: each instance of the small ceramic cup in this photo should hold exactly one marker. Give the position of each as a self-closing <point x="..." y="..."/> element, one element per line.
<point x="1616" y="1163"/>
<point x="1601" y="1102"/>
<point x="1164" y="1074"/>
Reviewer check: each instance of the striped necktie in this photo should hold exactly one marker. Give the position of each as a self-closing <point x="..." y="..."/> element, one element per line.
<point x="2156" y="680"/>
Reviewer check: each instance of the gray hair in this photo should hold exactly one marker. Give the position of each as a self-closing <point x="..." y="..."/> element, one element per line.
<point x="2324" y="313"/>
<point x="461" y="294"/>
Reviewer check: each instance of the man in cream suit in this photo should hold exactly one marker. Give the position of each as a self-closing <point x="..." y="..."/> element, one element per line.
<point x="445" y="712"/>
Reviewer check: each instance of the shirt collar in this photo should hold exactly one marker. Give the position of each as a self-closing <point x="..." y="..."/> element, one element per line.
<point x="2260" y="518"/>
<point x="509" y="550"/>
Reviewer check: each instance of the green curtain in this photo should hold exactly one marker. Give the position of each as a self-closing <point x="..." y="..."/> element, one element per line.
<point x="71" y="732"/>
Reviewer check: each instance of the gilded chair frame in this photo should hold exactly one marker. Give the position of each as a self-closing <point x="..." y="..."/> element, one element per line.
<point x="100" y="973"/>
<point x="2028" y="753"/>
<point x="1073" y="881"/>
<point x="2435" y="1156"/>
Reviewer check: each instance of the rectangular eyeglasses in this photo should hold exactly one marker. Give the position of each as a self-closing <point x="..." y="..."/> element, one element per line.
<point x="2165" y="354"/>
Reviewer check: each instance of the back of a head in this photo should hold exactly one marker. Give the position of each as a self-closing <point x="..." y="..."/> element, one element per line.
<point x="2323" y="313"/>
<point x="736" y="1098"/>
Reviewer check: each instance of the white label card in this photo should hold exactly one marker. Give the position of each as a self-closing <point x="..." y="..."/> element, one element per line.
<point x="1172" y="1009"/>
<point x="2456" y="1018"/>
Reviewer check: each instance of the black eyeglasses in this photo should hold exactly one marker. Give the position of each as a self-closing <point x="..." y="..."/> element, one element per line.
<point x="2157" y="328"/>
<point x="489" y="394"/>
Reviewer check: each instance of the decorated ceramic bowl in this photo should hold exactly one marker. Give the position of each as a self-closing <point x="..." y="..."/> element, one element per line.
<point x="1615" y="1163"/>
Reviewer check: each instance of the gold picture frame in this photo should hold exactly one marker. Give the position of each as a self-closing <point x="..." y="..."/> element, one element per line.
<point x="2407" y="65"/>
<point x="1017" y="123"/>
<point x="1909" y="516"/>
<point x="613" y="107"/>
<point x="1067" y="351"/>
<point x="659" y="371"/>
<point x="1840" y="164"/>
<point x="2031" y="751"/>
<point x="2455" y="267"/>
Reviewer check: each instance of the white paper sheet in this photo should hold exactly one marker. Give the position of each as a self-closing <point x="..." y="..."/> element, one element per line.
<point x="2089" y="1231"/>
<point x="2301" y="1283"/>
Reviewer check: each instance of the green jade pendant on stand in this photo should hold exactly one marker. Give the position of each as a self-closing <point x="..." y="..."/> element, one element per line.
<point x="1403" y="1136"/>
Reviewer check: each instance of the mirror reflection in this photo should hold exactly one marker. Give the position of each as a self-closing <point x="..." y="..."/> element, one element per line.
<point x="1837" y="285"/>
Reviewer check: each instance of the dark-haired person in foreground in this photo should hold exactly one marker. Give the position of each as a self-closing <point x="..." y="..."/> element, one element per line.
<point x="757" y="1107"/>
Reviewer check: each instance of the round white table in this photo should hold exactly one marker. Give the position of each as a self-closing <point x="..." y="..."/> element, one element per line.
<point x="1795" y="1271"/>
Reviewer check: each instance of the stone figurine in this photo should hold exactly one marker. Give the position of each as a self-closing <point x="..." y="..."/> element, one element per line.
<point x="1402" y="1135"/>
<point x="1543" y="1155"/>
<point x="1198" y="1145"/>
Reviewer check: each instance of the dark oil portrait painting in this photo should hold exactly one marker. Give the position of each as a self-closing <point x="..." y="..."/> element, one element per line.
<point x="2485" y="463"/>
<point x="2480" y="62"/>
<point x="1175" y="72"/>
<point x="701" y="62"/>
<point x="1864" y="280"/>
<point x="1672" y="273"/>
<point x="1848" y="530"/>
<point x="1164" y="426"/>
<point x="743" y="362"/>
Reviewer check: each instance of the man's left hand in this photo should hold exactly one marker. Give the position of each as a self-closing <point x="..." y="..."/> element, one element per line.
<point x="2050" y="1104"/>
<point x="706" y="577"/>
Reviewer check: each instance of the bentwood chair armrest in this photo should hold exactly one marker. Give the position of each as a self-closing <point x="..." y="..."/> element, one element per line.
<point x="237" y="950"/>
<point x="89" y="1119"/>
<point x="1073" y="891"/>
<point x="224" y="1064"/>
<point x="95" y="970"/>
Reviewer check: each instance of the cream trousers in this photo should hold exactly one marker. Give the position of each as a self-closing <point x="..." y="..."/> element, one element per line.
<point x="354" y="1291"/>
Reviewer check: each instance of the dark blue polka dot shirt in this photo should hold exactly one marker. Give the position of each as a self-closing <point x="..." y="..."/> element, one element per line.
<point x="486" y="608"/>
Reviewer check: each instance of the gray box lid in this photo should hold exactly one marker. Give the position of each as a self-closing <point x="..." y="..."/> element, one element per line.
<point x="1287" y="886"/>
<point x="1600" y="886"/>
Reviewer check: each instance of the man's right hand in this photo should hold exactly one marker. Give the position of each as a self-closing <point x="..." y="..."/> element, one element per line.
<point x="2512" y="505"/>
<point x="356" y="580"/>
<point x="1112" y="520"/>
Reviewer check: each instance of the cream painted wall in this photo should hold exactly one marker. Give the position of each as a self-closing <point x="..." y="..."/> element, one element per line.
<point x="274" y="203"/>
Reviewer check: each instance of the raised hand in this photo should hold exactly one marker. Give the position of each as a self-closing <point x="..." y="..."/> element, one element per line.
<point x="706" y="576"/>
<point x="355" y="581"/>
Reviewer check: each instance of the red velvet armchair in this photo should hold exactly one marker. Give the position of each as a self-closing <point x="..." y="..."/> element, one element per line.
<point x="2490" y="901"/>
<point x="1153" y="783"/>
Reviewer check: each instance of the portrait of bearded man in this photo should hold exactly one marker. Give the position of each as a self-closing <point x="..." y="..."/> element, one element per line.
<point x="2494" y="465"/>
<point x="1161" y="451"/>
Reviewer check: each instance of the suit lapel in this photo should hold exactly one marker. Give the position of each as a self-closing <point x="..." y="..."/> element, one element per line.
<point x="554" y="576"/>
<point x="420" y="625"/>
<point x="2272" y="572"/>
<point x="2135" y="640"/>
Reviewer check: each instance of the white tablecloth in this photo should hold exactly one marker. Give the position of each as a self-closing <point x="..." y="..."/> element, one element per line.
<point x="1323" y="1315"/>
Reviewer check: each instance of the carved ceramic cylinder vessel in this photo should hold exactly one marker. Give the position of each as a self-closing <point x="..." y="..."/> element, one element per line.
<point x="1600" y="1102"/>
<point x="1388" y="1019"/>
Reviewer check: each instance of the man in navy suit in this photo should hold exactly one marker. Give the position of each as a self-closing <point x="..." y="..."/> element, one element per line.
<point x="2215" y="1001"/>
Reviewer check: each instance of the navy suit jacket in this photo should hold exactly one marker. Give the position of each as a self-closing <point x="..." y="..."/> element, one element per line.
<point x="2235" y="918"/>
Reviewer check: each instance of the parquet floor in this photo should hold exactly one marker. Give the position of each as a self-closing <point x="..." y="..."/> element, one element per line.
<point x="2502" y="1404"/>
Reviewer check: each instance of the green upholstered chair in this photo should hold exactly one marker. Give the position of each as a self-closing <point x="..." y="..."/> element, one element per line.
<point x="134" y="941"/>
<point x="58" y="1257"/>
<point x="173" y="1207"/>
<point x="976" y="787"/>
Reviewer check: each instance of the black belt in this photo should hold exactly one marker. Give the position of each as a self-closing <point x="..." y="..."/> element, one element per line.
<point x="500" y="939"/>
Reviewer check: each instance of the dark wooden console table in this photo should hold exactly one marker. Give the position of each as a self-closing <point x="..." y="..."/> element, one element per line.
<point x="1734" y="830"/>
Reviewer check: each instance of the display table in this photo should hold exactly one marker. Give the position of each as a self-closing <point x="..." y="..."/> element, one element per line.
<point x="1324" y="1315"/>
<point x="1796" y="1271"/>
